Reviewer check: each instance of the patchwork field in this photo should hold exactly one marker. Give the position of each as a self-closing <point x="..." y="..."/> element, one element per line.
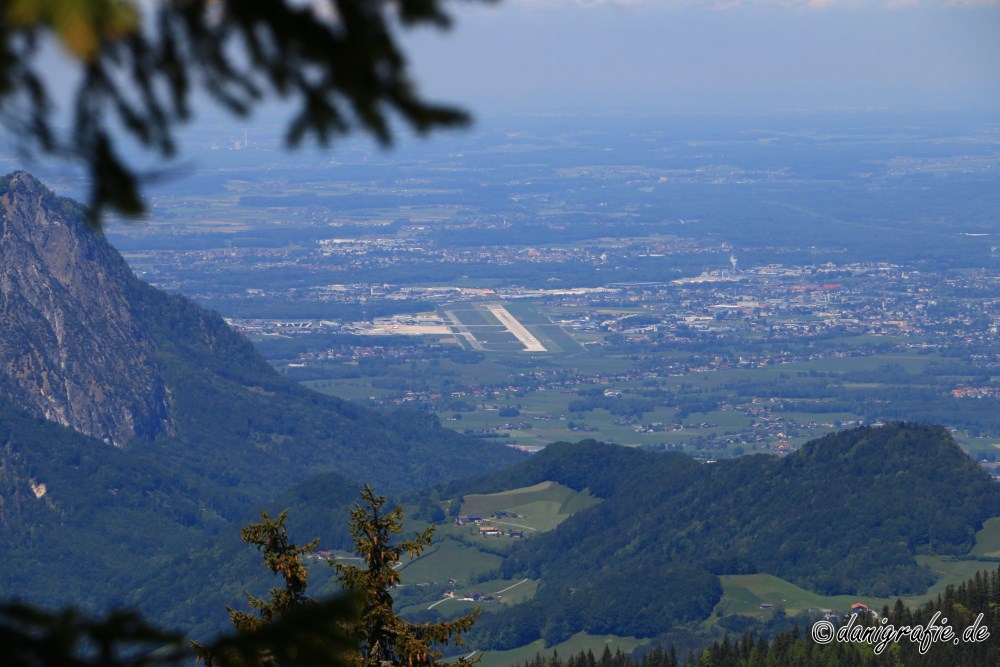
<point x="461" y="560"/>
<point x="488" y="595"/>
<point x="448" y="559"/>
<point x="456" y="573"/>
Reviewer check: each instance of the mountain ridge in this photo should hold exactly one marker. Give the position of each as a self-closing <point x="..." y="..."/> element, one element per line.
<point x="97" y="486"/>
<point x="72" y="350"/>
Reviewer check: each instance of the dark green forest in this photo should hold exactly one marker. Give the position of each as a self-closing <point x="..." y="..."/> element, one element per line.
<point x="839" y="516"/>
<point x="973" y="604"/>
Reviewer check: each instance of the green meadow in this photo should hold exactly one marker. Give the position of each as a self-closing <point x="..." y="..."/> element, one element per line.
<point x="448" y="559"/>
<point x="538" y="508"/>
<point x="744" y="594"/>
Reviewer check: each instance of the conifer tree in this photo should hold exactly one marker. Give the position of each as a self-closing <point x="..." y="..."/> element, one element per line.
<point x="289" y="627"/>
<point x="281" y="558"/>
<point x="383" y="637"/>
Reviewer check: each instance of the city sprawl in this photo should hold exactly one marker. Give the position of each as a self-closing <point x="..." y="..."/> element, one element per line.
<point x="717" y="290"/>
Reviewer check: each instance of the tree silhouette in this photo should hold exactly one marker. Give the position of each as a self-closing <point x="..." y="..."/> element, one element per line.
<point x="289" y="627"/>
<point x="282" y="558"/>
<point x="360" y="628"/>
<point x="383" y="637"/>
<point x="139" y="65"/>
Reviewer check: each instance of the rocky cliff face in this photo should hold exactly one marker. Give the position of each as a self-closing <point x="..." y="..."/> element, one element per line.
<point x="71" y="349"/>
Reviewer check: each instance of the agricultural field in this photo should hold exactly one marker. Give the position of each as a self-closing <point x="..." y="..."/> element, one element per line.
<point x="535" y="508"/>
<point x="461" y="560"/>
<point x="448" y="559"/>
<point x="461" y="598"/>
<point x="453" y="577"/>
<point x="678" y="399"/>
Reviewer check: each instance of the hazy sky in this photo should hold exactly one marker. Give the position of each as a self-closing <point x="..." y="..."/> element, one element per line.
<point x="682" y="56"/>
<point x="695" y="56"/>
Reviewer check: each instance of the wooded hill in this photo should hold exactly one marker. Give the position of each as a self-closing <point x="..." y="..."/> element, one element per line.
<point x="846" y="514"/>
<point x="961" y="605"/>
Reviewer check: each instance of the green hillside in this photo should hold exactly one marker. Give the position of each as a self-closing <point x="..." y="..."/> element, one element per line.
<point x="870" y="513"/>
<point x="627" y="543"/>
<point x="535" y="508"/>
<point x="272" y="431"/>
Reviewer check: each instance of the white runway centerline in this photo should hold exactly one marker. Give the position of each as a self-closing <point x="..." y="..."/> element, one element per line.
<point x="531" y="344"/>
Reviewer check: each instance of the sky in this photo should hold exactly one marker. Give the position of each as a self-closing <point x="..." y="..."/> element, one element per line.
<point x="656" y="57"/>
<point x="691" y="56"/>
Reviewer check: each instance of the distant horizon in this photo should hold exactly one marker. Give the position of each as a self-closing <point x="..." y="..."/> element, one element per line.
<point x="265" y="138"/>
<point x="695" y="57"/>
<point x="687" y="57"/>
<point x="665" y="62"/>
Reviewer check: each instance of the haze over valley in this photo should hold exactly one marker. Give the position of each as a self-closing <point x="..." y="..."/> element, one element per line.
<point x="686" y="348"/>
<point x="713" y="285"/>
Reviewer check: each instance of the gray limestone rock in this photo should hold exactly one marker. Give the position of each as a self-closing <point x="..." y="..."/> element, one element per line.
<point x="71" y="349"/>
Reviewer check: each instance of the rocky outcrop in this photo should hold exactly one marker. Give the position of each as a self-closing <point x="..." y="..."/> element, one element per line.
<point x="71" y="348"/>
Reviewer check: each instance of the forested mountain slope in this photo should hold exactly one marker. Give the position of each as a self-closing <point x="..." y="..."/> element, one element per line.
<point x="844" y="515"/>
<point x="970" y="610"/>
<point x="180" y="430"/>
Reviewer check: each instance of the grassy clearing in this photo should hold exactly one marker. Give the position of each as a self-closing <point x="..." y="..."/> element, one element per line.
<point x="552" y="336"/>
<point x="744" y="594"/>
<point x="469" y="315"/>
<point x="466" y="316"/>
<point x="558" y="336"/>
<point x="952" y="572"/>
<point x="507" y="591"/>
<point x="543" y="337"/>
<point x="727" y="419"/>
<point x="503" y="591"/>
<point x="526" y="312"/>
<point x="539" y="508"/>
<point x="988" y="540"/>
<point x="350" y="389"/>
<point x="501" y="343"/>
<point x="484" y="311"/>
<point x="979" y="447"/>
<point x="448" y="559"/>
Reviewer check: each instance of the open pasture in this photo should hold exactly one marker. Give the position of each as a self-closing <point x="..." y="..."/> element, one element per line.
<point x="538" y="508"/>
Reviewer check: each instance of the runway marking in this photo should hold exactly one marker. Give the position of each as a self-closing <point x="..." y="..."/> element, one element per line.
<point x="531" y="344"/>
